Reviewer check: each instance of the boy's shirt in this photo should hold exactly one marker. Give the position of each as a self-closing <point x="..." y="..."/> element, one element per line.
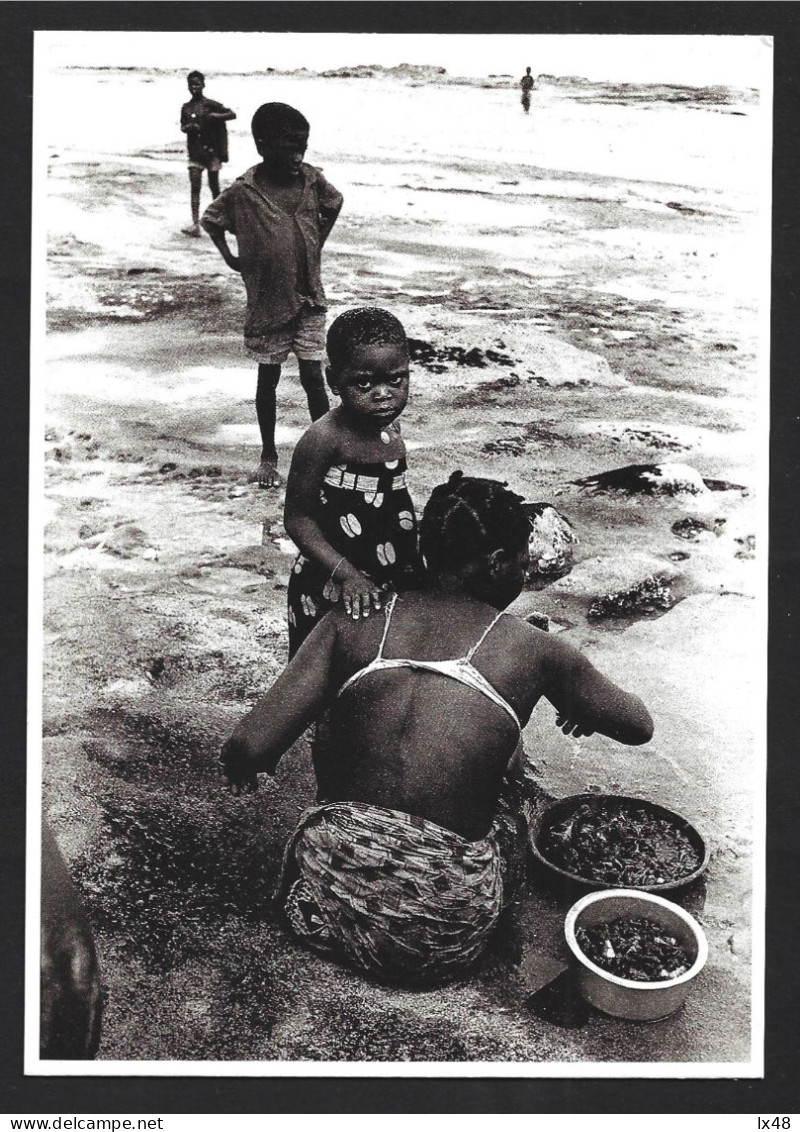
<point x="212" y="135"/>
<point x="279" y="252"/>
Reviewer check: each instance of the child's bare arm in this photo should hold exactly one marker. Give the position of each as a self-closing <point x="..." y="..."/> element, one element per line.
<point x="222" y="114"/>
<point x="313" y="455"/>
<point x="586" y="701"/>
<point x="327" y="219"/>
<point x="217" y="234"/>
<point x="280" y="717"/>
<point x="187" y="123"/>
<point x="330" y="205"/>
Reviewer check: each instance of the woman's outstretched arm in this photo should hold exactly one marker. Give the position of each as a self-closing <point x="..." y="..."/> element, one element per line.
<point x="283" y="713"/>
<point x="587" y="701"/>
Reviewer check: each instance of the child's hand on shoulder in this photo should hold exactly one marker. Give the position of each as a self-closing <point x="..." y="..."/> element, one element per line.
<point x="359" y="593"/>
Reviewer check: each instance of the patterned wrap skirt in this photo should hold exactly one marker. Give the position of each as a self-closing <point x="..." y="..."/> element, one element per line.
<point x="396" y="896"/>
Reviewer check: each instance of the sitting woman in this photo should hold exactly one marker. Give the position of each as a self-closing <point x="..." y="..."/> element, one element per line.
<point x="404" y="865"/>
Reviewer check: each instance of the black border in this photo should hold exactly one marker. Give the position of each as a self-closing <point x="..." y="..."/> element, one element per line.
<point x="779" y="1092"/>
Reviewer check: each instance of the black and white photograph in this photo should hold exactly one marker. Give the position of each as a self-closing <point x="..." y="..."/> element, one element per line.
<point x="398" y="554"/>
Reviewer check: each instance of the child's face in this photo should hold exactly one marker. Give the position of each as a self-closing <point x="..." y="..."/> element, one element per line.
<point x="283" y="153"/>
<point x="195" y="85"/>
<point x="373" y="382"/>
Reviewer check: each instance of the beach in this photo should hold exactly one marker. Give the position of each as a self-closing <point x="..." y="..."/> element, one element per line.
<point x="579" y="287"/>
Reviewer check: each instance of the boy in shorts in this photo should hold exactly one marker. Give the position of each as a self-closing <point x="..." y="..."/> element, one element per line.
<point x="281" y="212"/>
<point x="203" y="122"/>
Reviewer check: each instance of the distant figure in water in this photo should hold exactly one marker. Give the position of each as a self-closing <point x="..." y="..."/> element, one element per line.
<point x="71" y="1001"/>
<point x="282" y="212"/>
<point x="418" y="838"/>
<point x="203" y="122"/>
<point x="526" y="83"/>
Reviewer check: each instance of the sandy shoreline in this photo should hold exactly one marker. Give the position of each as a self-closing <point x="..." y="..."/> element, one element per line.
<point x="628" y="336"/>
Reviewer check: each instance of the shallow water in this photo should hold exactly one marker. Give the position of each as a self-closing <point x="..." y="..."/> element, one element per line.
<point x="708" y="148"/>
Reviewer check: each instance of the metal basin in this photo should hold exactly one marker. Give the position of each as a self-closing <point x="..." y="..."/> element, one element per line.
<point x="627" y="998"/>
<point x="566" y="807"/>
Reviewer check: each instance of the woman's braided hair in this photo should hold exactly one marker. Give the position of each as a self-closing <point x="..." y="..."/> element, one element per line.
<point x="468" y="517"/>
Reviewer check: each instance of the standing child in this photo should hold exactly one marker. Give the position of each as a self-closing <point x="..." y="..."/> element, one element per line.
<point x="347" y="503"/>
<point x="203" y="122"/>
<point x="281" y="213"/>
<point x="527" y="85"/>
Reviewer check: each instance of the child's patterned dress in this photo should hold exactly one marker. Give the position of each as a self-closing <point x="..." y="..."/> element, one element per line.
<point x="366" y="513"/>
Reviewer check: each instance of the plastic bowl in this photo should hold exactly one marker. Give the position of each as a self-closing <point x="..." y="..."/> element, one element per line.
<point x="627" y="998"/>
<point x="565" y="807"/>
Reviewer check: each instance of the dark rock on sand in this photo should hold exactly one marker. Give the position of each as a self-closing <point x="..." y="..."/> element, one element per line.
<point x="651" y="438"/>
<point x="648" y="479"/>
<point x="126" y="541"/>
<point x="693" y="529"/>
<point x="680" y="207"/>
<point x="725" y="485"/>
<point x="539" y="432"/>
<point x="747" y="547"/>
<point x="90" y="530"/>
<point x="650" y="596"/>
<point x="62" y="453"/>
<point x="436" y="358"/>
<point x="551" y="542"/>
<point x="505" y="446"/>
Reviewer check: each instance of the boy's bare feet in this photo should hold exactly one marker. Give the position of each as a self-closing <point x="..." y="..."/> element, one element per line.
<point x="195" y="231"/>
<point x="267" y="474"/>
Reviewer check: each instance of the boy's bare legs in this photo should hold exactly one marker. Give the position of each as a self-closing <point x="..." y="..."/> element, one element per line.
<point x="195" y="181"/>
<point x="266" y="474"/>
<point x="213" y="183"/>
<point x="314" y="384"/>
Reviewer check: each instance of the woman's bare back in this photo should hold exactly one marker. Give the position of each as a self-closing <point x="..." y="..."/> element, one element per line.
<point x="418" y="740"/>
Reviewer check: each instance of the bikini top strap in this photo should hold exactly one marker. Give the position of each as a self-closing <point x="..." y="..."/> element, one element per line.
<point x="389" y="610"/>
<point x="484" y="635"/>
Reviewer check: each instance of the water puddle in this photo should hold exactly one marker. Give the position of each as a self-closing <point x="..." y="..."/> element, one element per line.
<point x="238" y="434"/>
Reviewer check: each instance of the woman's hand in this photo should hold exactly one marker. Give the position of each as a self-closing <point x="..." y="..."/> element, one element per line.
<point x="359" y="593"/>
<point x="237" y="767"/>
<point x="570" y="727"/>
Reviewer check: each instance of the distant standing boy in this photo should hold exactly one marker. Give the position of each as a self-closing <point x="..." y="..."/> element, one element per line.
<point x="203" y="122"/>
<point x="526" y="83"/>
<point x="281" y="213"/>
